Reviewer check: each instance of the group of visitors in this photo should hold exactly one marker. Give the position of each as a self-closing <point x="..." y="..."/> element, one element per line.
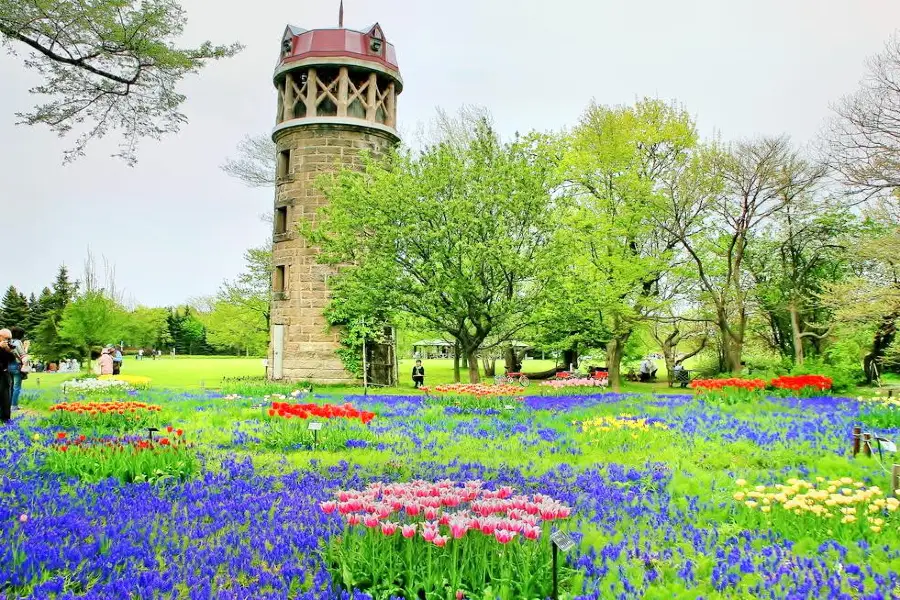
<point x="110" y="361"/>
<point x="15" y="365"/>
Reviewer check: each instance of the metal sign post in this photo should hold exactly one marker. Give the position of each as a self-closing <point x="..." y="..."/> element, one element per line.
<point x="559" y="540"/>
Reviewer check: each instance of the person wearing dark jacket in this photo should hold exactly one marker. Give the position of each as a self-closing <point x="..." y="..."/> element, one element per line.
<point x="418" y="374"/>
<point x="7" y="357"/>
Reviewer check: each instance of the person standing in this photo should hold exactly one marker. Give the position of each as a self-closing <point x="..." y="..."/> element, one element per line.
<point x="19" y="367"/>
<point x="106" y="362"/>
<point x="418" y="375"/>
<point x="117" y="361"/>
<point x="140" y="354"/>
<point x="7" y="357"/>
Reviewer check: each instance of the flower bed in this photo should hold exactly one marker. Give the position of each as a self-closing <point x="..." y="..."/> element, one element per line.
<point x="119" y="416"/>
<point x="558" y="384"/>
<point x="443" y="540"/>
<point x="477" y="389"/>
<point x="802" y="383"/>
<point x="622" y="422"/>
<point x="823" y="505"/>
<point x="289" y="426"/>
<point x="133" y="381"/>
<point x="708" y="385"/>
<point x="94" y="386"/>
<point x="129" y="459"/>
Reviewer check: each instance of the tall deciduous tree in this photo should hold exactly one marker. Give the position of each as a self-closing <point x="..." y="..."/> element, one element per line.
<point x="862" y="143"/>
<point x="14" y="308"/>
<point x="251" y="292"/>
<point x="450" y="236"/>
<point x="92" y="320"/>
<point x="617" y="164"/>
<point x="716" y="205"/>
<point x="254" y="164"/>
<point x="106" y="64"/>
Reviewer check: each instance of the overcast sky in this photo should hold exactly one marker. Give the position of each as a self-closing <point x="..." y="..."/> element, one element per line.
<point x="175" y="226"/>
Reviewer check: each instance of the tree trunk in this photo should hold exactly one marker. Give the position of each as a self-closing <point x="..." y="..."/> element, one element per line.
<point x="472" y="358"/>
<point x="489" y="364"/>
<point x="570" y="359"/>
<point x="884" y="337"/>
<point x="614" y="350"/>
<point x="732" y="347"/>
<point x="509" y="358"/>
<point x="795" y="335"/>
<point x="669" y="355"/>
<point x="456" y="353"/>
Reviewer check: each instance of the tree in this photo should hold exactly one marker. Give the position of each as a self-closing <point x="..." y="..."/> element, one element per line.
<point x="230" y="327"/>
<point x="111" y="63"/>
<point x="672" y="331"/>
<point x="450" y="236"/>
<point x="251" y="292"/>
<point x="187" y="331"/>
<point x="255" y="163"/>
<point x="615" y="253"/>
<point x="862" y="143"/>
<point x="792" y="261"/>
<point x="90" y="321"/>
<point x="148" y="328"/>
<point x="48" y="342"/>
<point x="14" y="308"/>
<point x="716" y="205"/>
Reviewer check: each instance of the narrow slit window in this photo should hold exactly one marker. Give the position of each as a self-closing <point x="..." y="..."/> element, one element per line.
<point x="279" y="279"/>
<point x="284" y="163"/>
<point x="281" y="220"/>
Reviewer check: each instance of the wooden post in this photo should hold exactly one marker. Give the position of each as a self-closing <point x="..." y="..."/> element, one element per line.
<point x="372" y="97"/>
<point x="343" y="92"/>
<point x="895" y="481"/>
<point x="288" y="105"/>
<point x="312" y="93"/>
<point x="857" y="433"/>
<point x="391" y="112"/>
<point x="867" y="440"/>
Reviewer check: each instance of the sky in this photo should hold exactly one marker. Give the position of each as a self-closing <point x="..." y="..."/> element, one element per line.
<point x="174" y="226"/>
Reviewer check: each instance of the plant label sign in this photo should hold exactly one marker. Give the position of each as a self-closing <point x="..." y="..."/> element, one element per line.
<point x="887" y="444"/>
<point x="562" y="540"/>
<point x="509" y="407"/>
<point x="315" y="426"/>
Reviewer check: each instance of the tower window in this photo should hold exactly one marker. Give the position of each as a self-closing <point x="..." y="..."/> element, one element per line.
<point x="284" y="163"/>
<point x="278" y="281"/>
<point x="281" y="220"/>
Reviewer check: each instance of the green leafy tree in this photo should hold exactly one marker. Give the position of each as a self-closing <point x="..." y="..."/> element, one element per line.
<point x="48" y="343"/>
<point x="148" y="328"/>
<point x="802" y="251"/>
<point x="251" y="292"/>
<point x="716" y="205"/>
<point x="107" y="64"/>
<point x="14" y="308"/>
<point x="450" y="236"/>
<point x="617" y="166"/>
<point x="187" y="331"/>
<point x="232" y="328"/>
<point x="91" y="321"/>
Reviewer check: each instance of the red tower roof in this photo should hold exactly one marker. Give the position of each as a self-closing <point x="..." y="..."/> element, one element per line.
<point x="371" y="45"/>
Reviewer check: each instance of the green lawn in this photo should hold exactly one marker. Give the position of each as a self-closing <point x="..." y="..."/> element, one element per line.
<point x="170" y="373"/>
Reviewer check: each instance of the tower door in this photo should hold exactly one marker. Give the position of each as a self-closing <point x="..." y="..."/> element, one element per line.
<point x="278" y="352"/>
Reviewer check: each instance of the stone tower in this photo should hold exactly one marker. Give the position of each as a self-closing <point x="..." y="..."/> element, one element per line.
<point x="337" y="97"/>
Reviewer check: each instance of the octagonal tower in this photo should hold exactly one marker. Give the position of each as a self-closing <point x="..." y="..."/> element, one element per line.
<point x="337" y="96"/>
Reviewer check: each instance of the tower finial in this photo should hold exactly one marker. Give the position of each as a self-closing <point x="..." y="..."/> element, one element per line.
<point x="341" y="15"/>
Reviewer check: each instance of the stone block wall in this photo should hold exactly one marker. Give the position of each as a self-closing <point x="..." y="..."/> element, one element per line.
<point x="309" y="343"/>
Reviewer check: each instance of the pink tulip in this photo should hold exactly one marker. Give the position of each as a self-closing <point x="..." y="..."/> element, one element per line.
<point x="532" y="533"/>
<point x="412" y="509"/>
<point x="354" y="519"/>
<point x="563" y="512"/>
<point x="458" y="528"/>
<point x="505" y="491"/>
<point x="388" y="528"/>
<point x="328" y="507"/>
<point x="430" y="513"/>
<point x="408" y="531"/>
<point x="503" y="536"/>
<point x="440" y="541"/>
<point x="23" y="518"/>
<point x="429" y="534"/>
<point x="370" y="521"/>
